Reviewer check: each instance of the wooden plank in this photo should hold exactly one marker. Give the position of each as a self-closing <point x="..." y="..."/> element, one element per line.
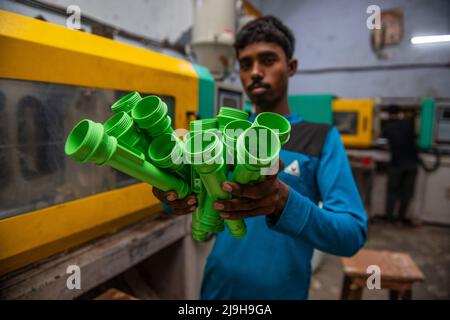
<point x="98" y="261"/>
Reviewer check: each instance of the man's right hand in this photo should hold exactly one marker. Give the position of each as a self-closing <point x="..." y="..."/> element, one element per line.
<point x="179" y="206"/>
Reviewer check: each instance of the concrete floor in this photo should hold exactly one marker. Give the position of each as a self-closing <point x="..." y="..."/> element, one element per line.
<point x="429" y="247"/>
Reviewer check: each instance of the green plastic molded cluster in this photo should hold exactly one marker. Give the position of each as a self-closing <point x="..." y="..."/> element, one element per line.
<point x="138" y="140"/>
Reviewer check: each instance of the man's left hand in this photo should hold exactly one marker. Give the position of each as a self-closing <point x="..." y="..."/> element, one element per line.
<point x="265" y="198"/>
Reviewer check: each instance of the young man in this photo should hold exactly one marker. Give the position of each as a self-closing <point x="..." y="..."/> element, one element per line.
<point x="284" y="222"/>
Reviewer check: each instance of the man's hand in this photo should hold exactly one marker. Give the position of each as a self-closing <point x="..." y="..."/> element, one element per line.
<point x="179" y="206"/>
<point x="265" y="198"/>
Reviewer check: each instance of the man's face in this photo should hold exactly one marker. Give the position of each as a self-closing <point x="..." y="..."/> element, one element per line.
<point x="264" y="72"/>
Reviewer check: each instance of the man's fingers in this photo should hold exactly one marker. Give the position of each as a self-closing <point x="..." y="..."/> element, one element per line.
<point x="170" y="197"/>
<point x="164" y="196"/>
<point x="183" y="203"/>
<point x="248" y="214"/>
<point x="243" y="204"/>
<point x="252" y="191"/>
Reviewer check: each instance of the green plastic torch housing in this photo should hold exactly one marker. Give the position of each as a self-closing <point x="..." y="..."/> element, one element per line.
<point x="204" y="151"/>
<point x="88" y="142"/>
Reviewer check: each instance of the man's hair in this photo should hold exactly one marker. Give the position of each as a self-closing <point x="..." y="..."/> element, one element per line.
<point x="266" y="29"/>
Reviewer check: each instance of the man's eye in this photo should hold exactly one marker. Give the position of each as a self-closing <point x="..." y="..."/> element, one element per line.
<point x="268" y="61"/>
<point x="245" y="65"/>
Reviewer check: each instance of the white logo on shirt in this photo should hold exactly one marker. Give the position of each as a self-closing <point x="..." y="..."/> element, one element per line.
<point x="293" y="169"/>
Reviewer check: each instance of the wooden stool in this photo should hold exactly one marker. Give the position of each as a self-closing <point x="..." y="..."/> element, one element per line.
<point x="114" y="294"/>
<point x="398" y="273"/>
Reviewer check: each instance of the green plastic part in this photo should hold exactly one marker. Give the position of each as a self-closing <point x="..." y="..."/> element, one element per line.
<point x="88" y="142"/>
<point x="166" y="152"/>
<point x="126" y="103"/>
<point x="258" y="148"/>
<point x="231" y="133"/>
<point x="203" y="150"/>
<point x="226" y="115"/>
<point x="211" y="220"/>
<point x="150" y="114"/>
<point x="203" y="124"/>
<point x="122" y="127"/>
<point x="196" y="225"/>
<point x="427" y="119"/>
<point x="276" y="122"/>
<point x="139" y="141"/>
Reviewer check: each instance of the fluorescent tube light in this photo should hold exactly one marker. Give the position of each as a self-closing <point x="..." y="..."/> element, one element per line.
<point x="431" y="39"/>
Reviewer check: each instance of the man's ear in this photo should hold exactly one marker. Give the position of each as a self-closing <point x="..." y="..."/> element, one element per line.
<point x="292" y="67"/>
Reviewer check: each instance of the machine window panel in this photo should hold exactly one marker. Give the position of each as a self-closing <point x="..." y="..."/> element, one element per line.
<point x="346" y="122"/>
<point x="36" y="119"/>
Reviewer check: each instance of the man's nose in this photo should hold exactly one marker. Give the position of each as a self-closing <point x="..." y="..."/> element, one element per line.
<point x="257" y="71"/>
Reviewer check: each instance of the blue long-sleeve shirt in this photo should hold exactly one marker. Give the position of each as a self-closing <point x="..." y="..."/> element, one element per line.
<point x="273" y="261"/>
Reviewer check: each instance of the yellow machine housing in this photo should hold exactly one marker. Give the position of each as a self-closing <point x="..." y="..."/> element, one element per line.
<point x="90" y="72"/>
<point x="354" y="120"/>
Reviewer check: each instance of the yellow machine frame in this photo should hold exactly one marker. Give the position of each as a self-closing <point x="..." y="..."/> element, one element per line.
<point x="364" y="109"/>
<point x="34" y="50"/>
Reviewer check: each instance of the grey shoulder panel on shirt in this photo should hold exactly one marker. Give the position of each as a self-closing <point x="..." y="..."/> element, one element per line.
<point x="307" y="138"/>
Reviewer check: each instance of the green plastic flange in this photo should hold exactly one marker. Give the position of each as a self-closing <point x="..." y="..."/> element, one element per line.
<point x="122" y="127"/>
<point x="231" y="133"/>
<point x="257" y="148"/>
<point x="166" y="152"/>
<point x="276" y="122"/>
<point x="150" y="114"/>
<point x="227" y="115"/>
<point x="126" y="103"/>
<point x="203" y="124"/>
<point x="88" y="142"/>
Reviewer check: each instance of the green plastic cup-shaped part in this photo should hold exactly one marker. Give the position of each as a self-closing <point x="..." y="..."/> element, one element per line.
<point x="126" y="103"/>
<point x="166" y="152"/>
<point x="88" y="141"/>
<point x="231" y="133"/>
<point x="204" y="151"/>
<point x="226" y="115"/>
<point x="276" y="122"/>
<point x="150" y="114"/>
<point x="122" y="127"/>
<point x="203" y="124"/>
<point x="257" y="148"/>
